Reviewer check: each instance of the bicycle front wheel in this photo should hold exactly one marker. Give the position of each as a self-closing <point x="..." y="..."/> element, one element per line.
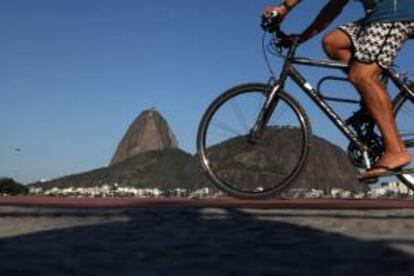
<point x="253" y="170"/>
<point x="404" y="115"/>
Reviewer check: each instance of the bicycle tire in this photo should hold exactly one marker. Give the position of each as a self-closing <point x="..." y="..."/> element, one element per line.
<point x="401" y="101"/>
<point x="205" y="124"/>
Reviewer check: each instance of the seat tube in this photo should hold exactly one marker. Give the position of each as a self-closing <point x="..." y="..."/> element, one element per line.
<point x="329" y="112"/>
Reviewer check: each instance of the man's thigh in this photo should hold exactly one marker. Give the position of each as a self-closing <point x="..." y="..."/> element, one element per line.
<point x="378" y="42"/>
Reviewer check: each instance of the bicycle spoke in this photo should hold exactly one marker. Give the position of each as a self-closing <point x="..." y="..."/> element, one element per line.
<point x="282" y="113"/>
<point x="245" y="168"/>
<point x="239" y="114"/>
<point x="409" y="113"/>
<point x="403" y="116"/>
<point x="223" y="126"/>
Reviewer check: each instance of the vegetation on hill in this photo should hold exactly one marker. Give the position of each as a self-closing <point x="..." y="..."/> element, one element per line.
<point x="328" y="166"/>
<point x="10" y="187"/>
<point x="276" y="155"/>
<point x="165" y="169"/>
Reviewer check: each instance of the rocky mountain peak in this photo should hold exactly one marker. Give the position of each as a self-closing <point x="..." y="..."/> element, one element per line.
<point x="149" y="132"/>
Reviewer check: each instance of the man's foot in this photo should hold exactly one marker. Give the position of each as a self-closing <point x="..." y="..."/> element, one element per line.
<point x="390" y="164"/>
<point x="377" y="172"/>
<point x="395" y="160"/>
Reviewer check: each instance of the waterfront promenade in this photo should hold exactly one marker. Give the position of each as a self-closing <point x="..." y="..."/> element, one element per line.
<point x="49" y="236"/>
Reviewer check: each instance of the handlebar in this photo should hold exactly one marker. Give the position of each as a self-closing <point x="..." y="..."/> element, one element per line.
<point x="271" y="25"/>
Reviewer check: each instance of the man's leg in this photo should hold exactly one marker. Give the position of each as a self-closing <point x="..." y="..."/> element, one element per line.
<point x="365" y="78"/>
<point x="338" y="46"/>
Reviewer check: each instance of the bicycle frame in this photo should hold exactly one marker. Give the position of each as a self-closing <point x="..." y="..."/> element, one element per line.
<point x="289" y="71"/>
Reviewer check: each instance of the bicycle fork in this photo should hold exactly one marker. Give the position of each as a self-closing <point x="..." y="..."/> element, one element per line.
<point x="269" y="107"/>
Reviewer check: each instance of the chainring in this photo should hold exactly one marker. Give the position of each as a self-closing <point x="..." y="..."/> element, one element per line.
<point x="365" y="129"/>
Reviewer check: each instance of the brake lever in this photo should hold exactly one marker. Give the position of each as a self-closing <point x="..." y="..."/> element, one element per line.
<point x="268" y="22"/>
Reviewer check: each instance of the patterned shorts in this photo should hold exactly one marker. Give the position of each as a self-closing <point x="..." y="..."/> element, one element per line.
<point x="378" y="42"/>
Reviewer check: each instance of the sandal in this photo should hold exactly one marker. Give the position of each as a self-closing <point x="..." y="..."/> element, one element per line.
<point x="385" y="171"/>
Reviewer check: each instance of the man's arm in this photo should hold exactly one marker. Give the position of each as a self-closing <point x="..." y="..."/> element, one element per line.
<point x="291" y="3"/>
<point x="282" y="9"/>
<point x="324" y="19"/>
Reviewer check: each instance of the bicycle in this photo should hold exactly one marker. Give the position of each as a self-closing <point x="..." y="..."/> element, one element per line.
<point x="241" y="162"/>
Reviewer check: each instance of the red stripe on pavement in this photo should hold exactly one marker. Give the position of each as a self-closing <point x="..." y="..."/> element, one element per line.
<point x="50" y="202"/>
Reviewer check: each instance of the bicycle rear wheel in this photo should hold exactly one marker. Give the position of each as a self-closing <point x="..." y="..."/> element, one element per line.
<point x="252" y="170"/>
<point x="404" y="115"/>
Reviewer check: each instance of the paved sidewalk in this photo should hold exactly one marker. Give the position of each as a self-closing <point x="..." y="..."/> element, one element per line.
<point x="202" y="241"/>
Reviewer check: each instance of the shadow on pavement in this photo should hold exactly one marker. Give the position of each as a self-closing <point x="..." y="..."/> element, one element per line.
<point x="196" y="242"/>
<point x="321" y="214"/>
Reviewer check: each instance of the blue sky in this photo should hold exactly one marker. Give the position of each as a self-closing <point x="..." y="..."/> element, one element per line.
<point x="74" y="74"/>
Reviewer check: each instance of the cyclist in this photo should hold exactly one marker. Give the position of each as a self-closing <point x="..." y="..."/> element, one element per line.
<point x="369" y="46"/>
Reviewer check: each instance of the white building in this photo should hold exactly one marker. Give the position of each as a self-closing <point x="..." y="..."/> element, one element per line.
<point x="399" y="188"/>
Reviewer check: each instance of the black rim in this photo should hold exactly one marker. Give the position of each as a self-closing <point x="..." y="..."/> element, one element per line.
<point x="408" y="138"/>
<point x="202" y="147"/>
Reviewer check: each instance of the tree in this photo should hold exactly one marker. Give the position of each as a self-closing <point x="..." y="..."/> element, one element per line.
<point x="10" y="187"/>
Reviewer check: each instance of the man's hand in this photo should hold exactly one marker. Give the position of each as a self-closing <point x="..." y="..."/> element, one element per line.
<point x="280" y="10"/>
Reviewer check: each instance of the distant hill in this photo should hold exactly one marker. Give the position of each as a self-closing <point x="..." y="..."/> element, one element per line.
<point x="276" y="155"/>
<point x="149" y="132"/>
<point x="11" y="187"/>
<point x="328" y="166"/>
<point x="148" y="157"/>
<point x="164" y="169"/>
